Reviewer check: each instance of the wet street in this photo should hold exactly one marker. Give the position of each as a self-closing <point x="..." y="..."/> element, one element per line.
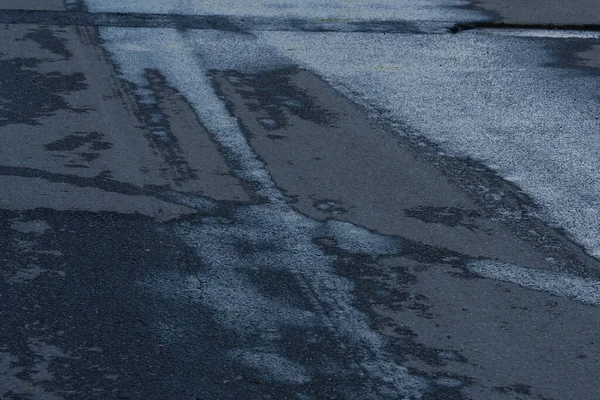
<point x="392" y="199"/>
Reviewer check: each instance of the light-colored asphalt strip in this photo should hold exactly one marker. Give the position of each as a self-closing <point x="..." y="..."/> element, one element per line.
<point x="586" y="291"/>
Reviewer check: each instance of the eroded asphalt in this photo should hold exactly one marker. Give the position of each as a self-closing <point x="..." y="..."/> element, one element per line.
<point x="183" y="230"/>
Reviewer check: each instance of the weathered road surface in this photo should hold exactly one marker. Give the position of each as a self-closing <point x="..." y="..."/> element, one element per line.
<point x="358" y="200"/>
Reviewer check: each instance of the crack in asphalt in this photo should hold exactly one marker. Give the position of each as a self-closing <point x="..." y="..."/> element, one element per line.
<point x="245" y="24"/>
<point x="98" y="182"/>
<point x="460" y="27"/>
<point x="218" y="22"/>
<point x="271" y="240"/>
<point x="103" y="182"/>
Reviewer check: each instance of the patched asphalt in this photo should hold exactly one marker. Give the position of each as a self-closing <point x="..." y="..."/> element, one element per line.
<point x="201" y="205"/>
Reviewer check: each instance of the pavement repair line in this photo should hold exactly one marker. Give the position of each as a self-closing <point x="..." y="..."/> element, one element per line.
<point x="284" y="24"/>
<point x="398" y="10"/>
<point x="221" y="22"/>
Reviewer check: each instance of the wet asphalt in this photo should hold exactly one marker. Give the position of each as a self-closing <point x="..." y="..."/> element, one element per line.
<point x="309" y="250"/>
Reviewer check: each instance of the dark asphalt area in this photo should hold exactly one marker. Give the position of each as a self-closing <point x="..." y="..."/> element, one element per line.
<point x="270" y="238"/>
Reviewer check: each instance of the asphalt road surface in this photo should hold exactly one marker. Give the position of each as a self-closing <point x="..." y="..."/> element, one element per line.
<point x="299" y="200"/>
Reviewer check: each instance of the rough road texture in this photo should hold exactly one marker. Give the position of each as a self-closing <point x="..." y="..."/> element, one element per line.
<point x="220" y="214"/>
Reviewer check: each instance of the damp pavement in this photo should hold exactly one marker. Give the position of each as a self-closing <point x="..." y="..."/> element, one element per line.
<point x="277" y="200"/>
